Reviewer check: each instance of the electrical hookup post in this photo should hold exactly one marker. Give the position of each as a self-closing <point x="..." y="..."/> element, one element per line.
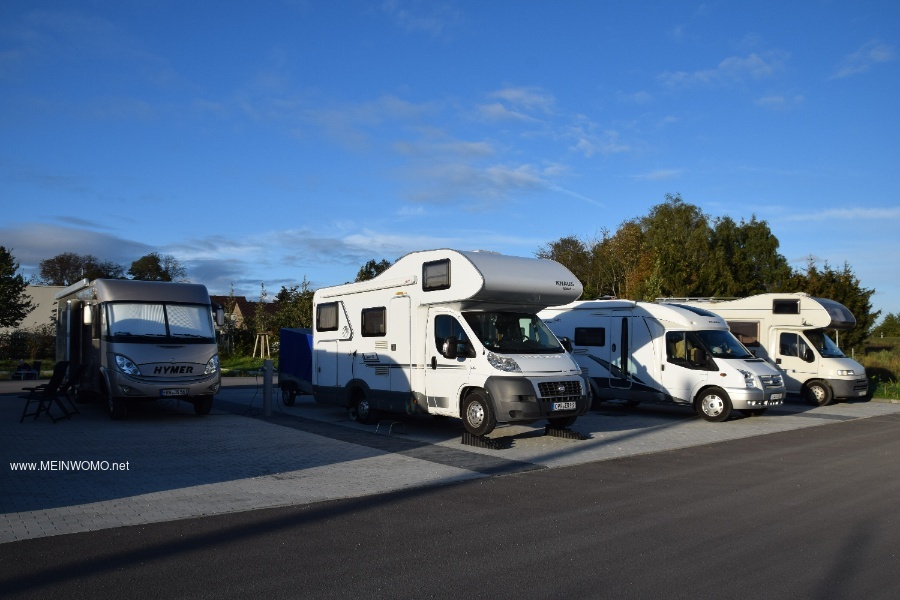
<point x="267" y="387"/>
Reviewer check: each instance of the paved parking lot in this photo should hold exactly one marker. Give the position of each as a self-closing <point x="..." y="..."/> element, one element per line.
<point x="164" y="463"/>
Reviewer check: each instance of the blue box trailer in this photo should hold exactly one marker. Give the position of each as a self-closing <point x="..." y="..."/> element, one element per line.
<point x="294" y="363"/>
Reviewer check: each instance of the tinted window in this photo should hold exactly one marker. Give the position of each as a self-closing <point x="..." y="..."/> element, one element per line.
<point x="590" y="336"/>
<point x="327" y="317"/>
<point x="436" y="275"/>
<point x="373" y="321"/>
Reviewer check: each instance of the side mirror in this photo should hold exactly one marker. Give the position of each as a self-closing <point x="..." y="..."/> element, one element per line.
<point x="87" y="315"/>
<point x="566" y="343"/>
<point x="449" y="350"/>
<point x="220" y="317"/>
<point x="808" y="355"/>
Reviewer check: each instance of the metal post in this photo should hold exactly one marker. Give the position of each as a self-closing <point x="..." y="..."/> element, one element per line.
<point x="267" y="387"/>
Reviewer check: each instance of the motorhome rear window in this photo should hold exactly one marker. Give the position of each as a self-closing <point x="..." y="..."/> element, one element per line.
<point x="373" y="321"/>
<point x="590" y="336"/>
<point x="436" y="275"/>
<point x="786" y="307"/>
<point x="327" y="317"/>
<point x="747" y="332"/>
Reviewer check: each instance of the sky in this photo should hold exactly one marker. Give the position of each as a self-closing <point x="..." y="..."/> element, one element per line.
<point x="265" y="143"/>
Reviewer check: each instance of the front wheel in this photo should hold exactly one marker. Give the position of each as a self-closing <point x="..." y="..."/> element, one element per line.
<point x="818" y="393"/>
<point x="361" y="411"/>
<point x="713" y="405"/>
<point x="478" y="414"/>
<point x="289" y="396"/>
<point x="117" y="407"/>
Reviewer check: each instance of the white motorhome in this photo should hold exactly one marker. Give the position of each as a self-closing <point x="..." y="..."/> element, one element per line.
<point x="450" y="333"/>
<point x="129" y="340"/>
<point x="788" y="330"/>
<point x="645" y="352"/>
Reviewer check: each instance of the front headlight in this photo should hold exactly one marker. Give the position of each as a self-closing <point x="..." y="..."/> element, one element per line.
<point x="749" y="379"/>
<point x="212" y="366"/>
<point x="126" y="365"/>
<point x="845" y="372"/>
<point x="502" y="363"/>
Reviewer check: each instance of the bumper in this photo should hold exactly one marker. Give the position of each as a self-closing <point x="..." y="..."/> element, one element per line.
<point x="849" y="388"/>
<point x="520" y="399"/>
<point x="132" y="387"/>
<point x="749" y="398"/>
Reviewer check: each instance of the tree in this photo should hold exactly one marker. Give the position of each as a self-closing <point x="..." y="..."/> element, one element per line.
<point x="744" y="260"/>
<point x="372" y="269"/>
<point x="15" y="304"/>
<point x="889" y="327"/>
<point x="840" y="285"/>
<point x="157" y="267"/>
<point x="69" y="267"/>
<point x="293" y="306"/>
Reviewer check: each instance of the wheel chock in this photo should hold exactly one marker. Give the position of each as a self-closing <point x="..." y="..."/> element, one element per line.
<point x="565" y="433"/>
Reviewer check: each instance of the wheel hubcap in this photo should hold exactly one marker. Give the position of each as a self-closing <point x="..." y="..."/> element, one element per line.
<point x="475" y="414"/>
<point x="713" y="406"/>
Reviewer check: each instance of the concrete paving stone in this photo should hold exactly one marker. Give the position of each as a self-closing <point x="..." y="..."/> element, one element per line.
<point x="180" y="465"/>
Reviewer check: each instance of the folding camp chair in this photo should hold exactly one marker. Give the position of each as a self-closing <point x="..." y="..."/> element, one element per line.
<point x="69" y="390"/>
<point x="46" y="394"/>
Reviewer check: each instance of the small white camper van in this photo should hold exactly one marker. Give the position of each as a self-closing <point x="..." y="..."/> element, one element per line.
<point x="129" y="340"/>
<point x="449" y="333"/>
<point x="645" y="352"/>
<point x="788" y="330"/>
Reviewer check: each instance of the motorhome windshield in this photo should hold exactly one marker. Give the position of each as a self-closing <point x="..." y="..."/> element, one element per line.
<point x="723" y="344"/>
<point x="513" y="333"/>
<point x="135" y="320"/>
<point x="823" y="344"/>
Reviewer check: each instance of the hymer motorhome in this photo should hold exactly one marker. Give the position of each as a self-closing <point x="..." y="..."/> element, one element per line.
<point x="449" y="333"/>
<point x="139" y="340"/>
<point x="644" y="352"/>
<point x="788" y="330"/>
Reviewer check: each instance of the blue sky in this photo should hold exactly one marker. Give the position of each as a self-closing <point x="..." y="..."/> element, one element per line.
<point x="261" y="143"/>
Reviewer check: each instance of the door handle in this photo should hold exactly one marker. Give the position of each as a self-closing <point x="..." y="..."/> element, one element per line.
<point x="434" y="362"/>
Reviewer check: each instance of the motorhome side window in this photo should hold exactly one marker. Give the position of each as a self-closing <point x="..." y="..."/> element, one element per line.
<point x="786" y="307"/>
<point x="436" y="275"/>
<point x="446" y="326"/>
<point x="590" y="336"/>
<point x="373" y="321"/>
<point x="327" y="317"/>
<point x="747" y="332"/>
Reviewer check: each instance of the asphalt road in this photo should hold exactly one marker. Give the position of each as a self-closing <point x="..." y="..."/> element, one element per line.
<point x="809" y="513"/>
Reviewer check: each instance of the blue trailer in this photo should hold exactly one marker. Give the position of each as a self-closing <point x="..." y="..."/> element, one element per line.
<point x="294" y="363"/>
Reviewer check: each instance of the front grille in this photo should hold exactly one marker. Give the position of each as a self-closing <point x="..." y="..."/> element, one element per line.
<point x="861" y="385"/>
<point x="558" y="389"/>
<point x="770" y="380"/>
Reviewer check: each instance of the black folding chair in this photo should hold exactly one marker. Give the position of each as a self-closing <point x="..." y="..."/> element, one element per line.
<point x="69" y="390"/>
<point x="46" y="394"/>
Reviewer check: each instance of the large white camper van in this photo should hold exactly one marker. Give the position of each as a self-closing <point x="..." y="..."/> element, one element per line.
<point x="450" y="333"/>
<point x="788" y="330"/>
<point x="645" y="352"/>
<point x="132" y="340"/>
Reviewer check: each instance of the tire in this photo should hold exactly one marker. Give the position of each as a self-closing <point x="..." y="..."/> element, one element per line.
<point x="361" y="411"/>
<point x="289" y="396"/>
<point x="478" y="414"/>
<point x="203" y="405"/>
<point x="118" y="410"/>
<point x="562" y="422"/>
<point x="818" y="393"/>
<point x="713" y="405"/>
<point x="753" y="412"/>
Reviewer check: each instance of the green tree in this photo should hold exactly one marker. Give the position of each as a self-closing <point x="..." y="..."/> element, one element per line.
<point x="15" y="303"/>
<point x="69" y="267"/>
<point x="744" y="260"/>
<point x="372" y="269"/>
<point x="840" y="285"/>
<point x="157" y="267"/>
<point x="889" y="326"/>
<point x="293" y="306"/>
<point x="575" y="255"/>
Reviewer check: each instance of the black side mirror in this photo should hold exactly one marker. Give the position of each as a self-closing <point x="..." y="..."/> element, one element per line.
<point x="566" y="343"/>
<point x="449" y="349"/>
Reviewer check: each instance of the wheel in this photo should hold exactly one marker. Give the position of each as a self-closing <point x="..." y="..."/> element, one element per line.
<point x="713" y="405"/>
<point x="478" y="414"/>
<point x="117" y="407"/>
<point x="818" y="393"/>
<point x="289" y="396"/>
<point x="362" y="411"/>
<point x="203" y="404"/>
<point x="562" y="422"/>
<point x="753" y="412"/>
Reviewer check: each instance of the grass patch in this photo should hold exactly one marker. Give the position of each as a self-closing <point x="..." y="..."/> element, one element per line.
<point x="237" y="366"/>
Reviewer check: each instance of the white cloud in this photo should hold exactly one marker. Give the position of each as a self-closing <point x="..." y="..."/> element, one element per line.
<point x="733" y="68"/>
<point x="868" y="55"/>
<point x="848" y="214"/>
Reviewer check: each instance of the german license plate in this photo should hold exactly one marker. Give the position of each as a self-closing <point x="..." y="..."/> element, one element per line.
<point x="776" y="396"/>
<point x="563" y="406"/>
<point x="174" y="392"/>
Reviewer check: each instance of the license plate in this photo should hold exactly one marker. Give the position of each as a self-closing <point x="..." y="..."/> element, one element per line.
<point x="563" y="406"/>
<point x="776" y="396"/>
<point x="174" y="392"/>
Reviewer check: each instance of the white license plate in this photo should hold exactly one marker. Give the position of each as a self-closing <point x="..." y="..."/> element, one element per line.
<point x="174" y="392"/>
<point x="563" y="406"/>
<point x="776" y="396"/>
